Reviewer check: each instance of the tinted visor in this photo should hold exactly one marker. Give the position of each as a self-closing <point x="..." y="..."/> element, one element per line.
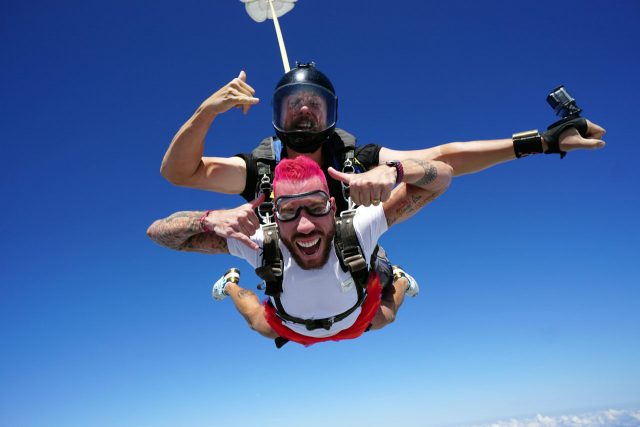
<point x="316" y="203"/>
<point x="304" y="107"/>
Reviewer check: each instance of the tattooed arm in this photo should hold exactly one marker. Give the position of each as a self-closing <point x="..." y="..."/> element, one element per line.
<point x="193" y="231"/>
<point x="423" y="182"/>
<point x="183" y="231"/>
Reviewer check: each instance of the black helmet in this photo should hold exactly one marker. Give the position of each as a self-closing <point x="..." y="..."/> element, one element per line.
<point x="305" y="108"/>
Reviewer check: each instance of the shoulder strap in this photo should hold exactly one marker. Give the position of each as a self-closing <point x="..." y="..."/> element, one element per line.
<point x="349" y="140"/>
<point x="349" y="250"/>
<point x="267" y="155"/>
<point x="271" y="269"/>
<point x="346" y="147"/>
<point x="266" y="150"/>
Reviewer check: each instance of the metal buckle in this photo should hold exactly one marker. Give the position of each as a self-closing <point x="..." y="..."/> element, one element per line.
<point x="265" y="211"/>
<point x="347" y="168"/>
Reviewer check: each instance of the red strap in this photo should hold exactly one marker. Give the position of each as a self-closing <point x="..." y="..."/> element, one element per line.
<point x="367" y="313"/>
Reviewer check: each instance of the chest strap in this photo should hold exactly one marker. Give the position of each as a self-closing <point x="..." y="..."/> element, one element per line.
<point x="327" y="322"/>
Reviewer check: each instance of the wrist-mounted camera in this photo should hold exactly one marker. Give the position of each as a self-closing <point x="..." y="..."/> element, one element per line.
<point x="565" y="107"/>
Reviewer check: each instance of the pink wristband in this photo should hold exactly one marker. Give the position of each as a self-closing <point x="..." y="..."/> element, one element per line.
<point x="203" y="224"/>
<point x="399" y="169"/>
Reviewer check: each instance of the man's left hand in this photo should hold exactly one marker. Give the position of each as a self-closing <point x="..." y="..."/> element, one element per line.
<point x="371" y="187"/>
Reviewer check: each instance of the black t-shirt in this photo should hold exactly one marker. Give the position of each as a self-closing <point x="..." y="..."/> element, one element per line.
<point x="367" y="156"/>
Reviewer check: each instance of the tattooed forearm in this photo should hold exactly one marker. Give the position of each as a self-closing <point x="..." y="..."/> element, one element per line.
<point x="174" y="230"/>
<point x="410" y="205"/>
<point x="207" y="243"/>
<point x="425" y="180"/>
<point x="182" y="231"/>
<point x="430" y="172"/>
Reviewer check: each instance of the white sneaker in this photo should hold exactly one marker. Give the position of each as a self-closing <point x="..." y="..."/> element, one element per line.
<point x="412" y="289"/>
<point x="218" y="291"/>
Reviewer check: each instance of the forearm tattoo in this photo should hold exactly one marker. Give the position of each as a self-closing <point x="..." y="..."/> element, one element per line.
<point x="207" y="243"/>
<point x="182" y="231"/>
<point x="411" y="204"/>
<point x="430" y="172"/>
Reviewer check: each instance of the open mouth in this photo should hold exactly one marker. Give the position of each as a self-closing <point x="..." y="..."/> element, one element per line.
<point x="309" y="247"/>
<point x="305" y="124"/>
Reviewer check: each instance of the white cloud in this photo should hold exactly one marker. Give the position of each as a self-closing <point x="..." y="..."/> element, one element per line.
<point x="608" y="418"/>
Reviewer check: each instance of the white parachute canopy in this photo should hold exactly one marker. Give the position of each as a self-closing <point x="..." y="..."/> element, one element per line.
<point x="259" y="10"/>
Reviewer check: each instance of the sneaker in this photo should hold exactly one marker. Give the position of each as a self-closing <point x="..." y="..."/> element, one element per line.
<point x="412" y="289"/>
<point x="218" y="291"/>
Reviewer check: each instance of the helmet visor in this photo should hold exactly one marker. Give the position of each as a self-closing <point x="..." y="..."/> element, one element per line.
<point x="304" y="107"/>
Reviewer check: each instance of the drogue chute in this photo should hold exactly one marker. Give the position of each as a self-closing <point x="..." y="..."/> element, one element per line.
<point x="261" y="10"/>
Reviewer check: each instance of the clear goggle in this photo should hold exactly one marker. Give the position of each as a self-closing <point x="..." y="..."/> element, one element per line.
<point x="316" y="203"/>
<point x="304" y="107"/>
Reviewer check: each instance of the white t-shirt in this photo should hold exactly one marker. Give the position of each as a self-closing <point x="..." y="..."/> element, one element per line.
<point x="324" y="292"/>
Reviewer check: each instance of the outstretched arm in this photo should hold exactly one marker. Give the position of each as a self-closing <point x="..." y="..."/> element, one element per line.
<point x="184" y="163"/>
<point x="183" y="231"/>
<point x="475" y="156"/>
<point x="207" y="231"/>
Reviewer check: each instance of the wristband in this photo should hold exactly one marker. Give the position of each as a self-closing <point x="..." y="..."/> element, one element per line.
<point x="203" y="225"/>
<point x="399" y="169"/>
<point x="526" y="143"/>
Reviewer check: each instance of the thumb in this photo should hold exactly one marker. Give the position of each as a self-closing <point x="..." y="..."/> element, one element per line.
<point x="594" y="143"/>
<point x="242" y="76"/>
<point x="340" y="176"/>
<point x="255" y="203"/>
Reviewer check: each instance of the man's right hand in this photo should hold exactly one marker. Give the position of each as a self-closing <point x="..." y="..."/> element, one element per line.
<point x="239" y="223"/>
<point x="570" y="139"/>
<point x="236" y="93"/>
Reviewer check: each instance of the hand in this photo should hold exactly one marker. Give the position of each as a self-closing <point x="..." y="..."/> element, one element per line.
<point x="239" y="223"/>
<point x="571" y="139"/>
<point x="236" y="93"/>
<point x="371" y="187"/>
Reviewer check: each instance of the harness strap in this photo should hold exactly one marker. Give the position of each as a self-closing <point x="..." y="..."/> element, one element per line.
<point x="312" y="324"/>
<point x="349" y="251"/>
<point x="272" y="266"/>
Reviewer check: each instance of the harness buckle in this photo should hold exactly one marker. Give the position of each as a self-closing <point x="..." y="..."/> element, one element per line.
<point x="328" y="323"/>
<point x="347" y="168"/>
<point x="312" y="324"/>
<point x="265" y="211"/>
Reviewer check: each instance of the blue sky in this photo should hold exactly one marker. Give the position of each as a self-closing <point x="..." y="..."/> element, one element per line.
<point x="530" y="299"/>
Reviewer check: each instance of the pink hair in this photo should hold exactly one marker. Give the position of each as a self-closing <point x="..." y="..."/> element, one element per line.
<point x="299" y="169"/>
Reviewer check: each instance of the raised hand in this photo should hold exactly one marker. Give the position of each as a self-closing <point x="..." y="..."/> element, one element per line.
<point x="236" y="93"/>
<point x="371" y="187"/>
<point x="239" y="223"/>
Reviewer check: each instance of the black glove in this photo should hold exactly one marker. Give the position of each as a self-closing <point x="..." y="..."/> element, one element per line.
<point x="552" y="135"/>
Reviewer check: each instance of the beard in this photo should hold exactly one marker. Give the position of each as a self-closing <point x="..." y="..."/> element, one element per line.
<point x="326" y="244"/>
<point x="306" y="123"/>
